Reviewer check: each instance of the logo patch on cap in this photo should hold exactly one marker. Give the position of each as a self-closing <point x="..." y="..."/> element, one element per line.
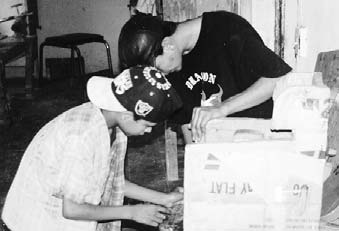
<point x="123" y="82"/>
<point x="142" y="108"/>
<point x="165" y="85"/>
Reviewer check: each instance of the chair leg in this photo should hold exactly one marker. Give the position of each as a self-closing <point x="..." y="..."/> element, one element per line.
<point x="109" y="58"/>
<point x="81" y="75"/>
<point x="29" y="68"/>
<point x="5" y="106"/>
<point x="2" y="79"/>
<point x="72" y="77"/>
<point x="41" y="63"/>
<point x="80" y="66"/>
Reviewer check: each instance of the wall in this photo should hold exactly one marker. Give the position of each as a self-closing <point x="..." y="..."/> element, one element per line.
<point x="260" y="13"/>
<point x="104" y="17"/>
<point x="6" y="11"/>
<point x="263" y="15"/>
<point x="5" y="28"/>
<point x="107" y="16"/>
<point x="320" y="18"/>
<point x="177" y="11"/>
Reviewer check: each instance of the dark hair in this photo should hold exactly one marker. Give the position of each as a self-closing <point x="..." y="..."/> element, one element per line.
<point x="140" y="39"/>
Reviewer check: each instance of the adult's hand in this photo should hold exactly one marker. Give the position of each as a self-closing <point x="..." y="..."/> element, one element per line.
<point x="200" y="118"/>
<point x="148" y="214"/>
<point x="258" y="92"/>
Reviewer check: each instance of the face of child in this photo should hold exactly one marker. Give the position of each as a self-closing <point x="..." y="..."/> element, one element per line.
<point x="132" y="127"/>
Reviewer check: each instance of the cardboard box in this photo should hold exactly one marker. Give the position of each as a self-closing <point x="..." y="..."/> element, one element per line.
<point x="254" y="185"/>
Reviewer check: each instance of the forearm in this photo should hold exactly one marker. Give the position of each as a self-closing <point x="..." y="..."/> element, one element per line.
<point x="75" y="211"/>
<point x="137" y="192"/>
<point x="256" y="94"/>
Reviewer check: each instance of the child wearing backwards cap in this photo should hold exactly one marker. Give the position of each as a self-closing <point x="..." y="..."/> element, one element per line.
<point x="72" y="174"/>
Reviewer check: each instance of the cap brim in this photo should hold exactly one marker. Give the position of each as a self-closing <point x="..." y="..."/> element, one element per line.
<point x="99" y="92"/>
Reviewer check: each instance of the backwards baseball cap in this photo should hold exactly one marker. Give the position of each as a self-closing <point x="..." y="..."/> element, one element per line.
<point x="143" y="90"/>
<point x="140" y="39"/>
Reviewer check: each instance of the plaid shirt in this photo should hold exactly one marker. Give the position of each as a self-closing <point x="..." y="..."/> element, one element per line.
<point x="113" y="192"/>
<point x="69" y="157"/>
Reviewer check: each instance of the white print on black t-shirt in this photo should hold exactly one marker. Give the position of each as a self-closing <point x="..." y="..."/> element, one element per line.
<point x="204" y="76"/>
<point x="213" y="100"/>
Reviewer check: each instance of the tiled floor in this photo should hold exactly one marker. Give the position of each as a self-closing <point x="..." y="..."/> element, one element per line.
<point x="145" y="163"/>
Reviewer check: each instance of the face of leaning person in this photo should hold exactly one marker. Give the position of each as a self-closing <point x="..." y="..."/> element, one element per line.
<point x="170" y="61"/>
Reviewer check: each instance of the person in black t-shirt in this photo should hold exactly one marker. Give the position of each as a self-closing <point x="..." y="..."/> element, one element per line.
<point x="217" y="63"/>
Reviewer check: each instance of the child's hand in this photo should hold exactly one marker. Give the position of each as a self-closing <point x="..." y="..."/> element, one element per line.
<point x="149" y="214"/>
<point x="174" y="197"/>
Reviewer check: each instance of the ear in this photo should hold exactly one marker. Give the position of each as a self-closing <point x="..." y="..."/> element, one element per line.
<point x="167" y="44"/>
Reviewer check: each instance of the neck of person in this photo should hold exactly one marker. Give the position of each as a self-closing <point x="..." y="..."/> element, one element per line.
<point x="111" y="122"/>
<point x="187" y="34"/>
<point x="110" y="118"/>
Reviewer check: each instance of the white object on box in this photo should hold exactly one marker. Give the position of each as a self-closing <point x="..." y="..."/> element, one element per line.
<point x="294" y="79"/>
<point x="230" y="129"/>
<point x="258" y="185"/>
<point x="301" y="103"/>
<point x="235" y="129"/>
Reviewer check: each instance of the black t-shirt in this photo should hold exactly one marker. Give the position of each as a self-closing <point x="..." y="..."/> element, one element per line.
<point x="230" y="55"/>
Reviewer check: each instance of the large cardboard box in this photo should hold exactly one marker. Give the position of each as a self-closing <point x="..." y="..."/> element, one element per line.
<point x="257" y="185"/>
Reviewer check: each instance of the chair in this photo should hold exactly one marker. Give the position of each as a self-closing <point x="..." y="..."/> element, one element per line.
<point x="72" y="41"/>
<point x="23" y="43"/>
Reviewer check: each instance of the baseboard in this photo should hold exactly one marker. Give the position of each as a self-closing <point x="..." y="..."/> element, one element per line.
<point x="15" y="71"/>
